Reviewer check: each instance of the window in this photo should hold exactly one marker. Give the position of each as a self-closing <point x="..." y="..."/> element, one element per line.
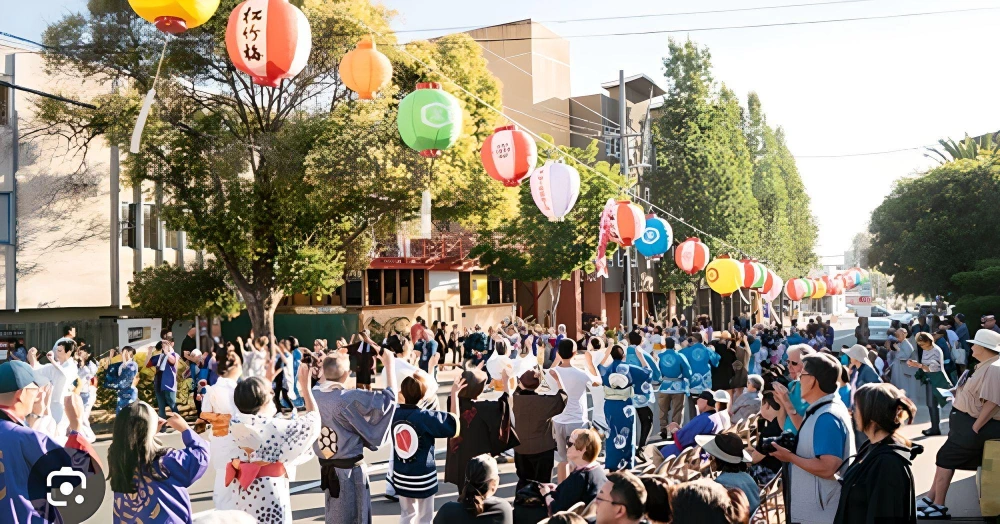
<point x="478" y="289"/>
<point x="124" y="222"/>
<point x="493" y="286"/>
<point x="437" y="314"/>
<point x="451" y="313"/>
<point x="374" y="287"/>
<point x="613" y="145"/>
<point x="336" y="298"/>
<point x="150" y="227"/>
<point x="508" y="292"/>
<point x="389" y="285"/>
<point x="419" y="277"/>
<point x="172" y="239"/>
<point x="355" y="292"/>
<point x="646" y="193"/>
<point x="405" y="286"/>
<point x="5" y="219"/>
<point x="465" y="289"/>
<point x="4" y="107"/>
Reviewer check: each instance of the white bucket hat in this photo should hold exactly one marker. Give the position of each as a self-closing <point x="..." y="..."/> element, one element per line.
<point x="859" y="353"/>
<point x="988" y="339"/>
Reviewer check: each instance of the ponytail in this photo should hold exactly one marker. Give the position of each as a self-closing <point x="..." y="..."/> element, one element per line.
<point x="473" y="499"/>
<point x="480" y="474"/>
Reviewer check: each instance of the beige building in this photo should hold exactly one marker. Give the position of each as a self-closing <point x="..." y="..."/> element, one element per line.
<point x="66" y="213"/>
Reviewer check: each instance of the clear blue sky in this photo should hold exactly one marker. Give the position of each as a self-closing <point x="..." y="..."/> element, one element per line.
<point x="850" y="87"/>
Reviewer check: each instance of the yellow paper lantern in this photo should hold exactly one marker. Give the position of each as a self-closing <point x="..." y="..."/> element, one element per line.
<point x="175" y="16"/>
<point x="724" y="275"/>
<point x="820" y="288"/>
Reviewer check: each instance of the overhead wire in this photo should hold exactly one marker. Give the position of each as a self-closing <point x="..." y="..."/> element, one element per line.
<point x="560" y="152"/>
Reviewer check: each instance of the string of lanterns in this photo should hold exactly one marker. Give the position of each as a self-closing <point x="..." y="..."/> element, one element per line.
<point x="270" y="40"/>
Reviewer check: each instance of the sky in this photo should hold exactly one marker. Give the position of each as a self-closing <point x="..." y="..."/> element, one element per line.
<point x="844" y="88"/>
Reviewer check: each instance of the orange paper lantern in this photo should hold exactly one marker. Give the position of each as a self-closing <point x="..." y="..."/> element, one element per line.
<point x="365" y="70"/>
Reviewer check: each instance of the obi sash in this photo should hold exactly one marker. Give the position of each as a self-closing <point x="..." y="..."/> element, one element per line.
<point x="329" y="481"/>
<point x="617" y="394"/>
<point x="220" y="423"/>
<point x="247" y="472"/>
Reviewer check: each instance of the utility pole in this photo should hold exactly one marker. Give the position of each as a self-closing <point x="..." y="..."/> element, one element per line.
<point x="622" y="134"/>
<point x="116" y="229"/>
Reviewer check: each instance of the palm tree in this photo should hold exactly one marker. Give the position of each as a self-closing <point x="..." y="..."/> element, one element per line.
<point x="950" y="150"/>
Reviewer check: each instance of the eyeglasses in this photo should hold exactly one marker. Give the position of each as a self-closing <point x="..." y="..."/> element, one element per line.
<point x="794" y="363"/>
<point x="608" y="501"/>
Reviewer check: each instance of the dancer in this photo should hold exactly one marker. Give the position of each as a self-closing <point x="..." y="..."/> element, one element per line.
<point x="618" y="379"/>
<point x="352" y="421"/>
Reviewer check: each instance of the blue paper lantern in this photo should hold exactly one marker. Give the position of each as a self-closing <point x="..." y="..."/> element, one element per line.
<point x="656" y="239"/>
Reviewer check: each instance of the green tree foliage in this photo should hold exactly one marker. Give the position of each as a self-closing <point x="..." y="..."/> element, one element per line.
<point x="769" y="188"/>
<point x="802" y="223"/>
<point x="531" y="248"/>
<point x="286" y="187"/>
<point x="173" y="292"/>
<point x="933" y="229"/>
<point x="968" y="148"/>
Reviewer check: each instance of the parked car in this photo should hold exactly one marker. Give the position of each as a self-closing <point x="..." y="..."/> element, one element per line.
<point x="877" y="329"/>
<point x="879" y="311"/>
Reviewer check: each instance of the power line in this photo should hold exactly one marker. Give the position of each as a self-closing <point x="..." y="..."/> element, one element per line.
<point x="651" y="15"/>
<point x="873" y="153"/>
<point x="748" y="26"/>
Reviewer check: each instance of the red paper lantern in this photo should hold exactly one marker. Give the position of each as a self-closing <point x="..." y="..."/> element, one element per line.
<point x="691" y="256"/>
<point x="269" y="40"/>
<point x="796" y="288"/>
<point x="628" y="222"/>
<point x="509" y="155"/>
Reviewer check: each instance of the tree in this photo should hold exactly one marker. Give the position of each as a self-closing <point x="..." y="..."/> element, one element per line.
<point x="769" y="188"/>
<point x="803" y="228"/>
<point x="968" y="148"/>
<point x="286" y="187"/>
<point x="173" y="292"/>
<point x="861" y="244"/>
<point x="704" y="171"/>
<point x="531" y="248"/>
<point x="937" y="225"/>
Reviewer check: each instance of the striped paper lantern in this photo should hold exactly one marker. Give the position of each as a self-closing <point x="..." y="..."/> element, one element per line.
<point x="269" y="40"/>
<point x="796" y="288"/>
<point x="691" y="256"/>
<point x="555" y="187"/>
<point x="509" y="155"/>
<point x="754" y="274"/>
<point x="820" y="288"/>
<point x="628" y="223"/>
<point x="773" y="287"/>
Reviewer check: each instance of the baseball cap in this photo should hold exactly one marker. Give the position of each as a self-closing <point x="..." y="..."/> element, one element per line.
<point x="16" y="375"/>
<point x="708" y="395"/>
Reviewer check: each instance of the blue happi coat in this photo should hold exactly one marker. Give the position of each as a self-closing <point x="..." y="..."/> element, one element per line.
<point x="675" y="372"/>
<point x="702" y="360"/>
<point x="620" y="379"/>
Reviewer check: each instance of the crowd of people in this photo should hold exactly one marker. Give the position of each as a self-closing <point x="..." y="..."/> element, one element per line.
<point x="575" y="415"/>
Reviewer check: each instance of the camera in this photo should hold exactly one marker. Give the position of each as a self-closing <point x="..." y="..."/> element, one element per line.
<point x="787" y="439"/>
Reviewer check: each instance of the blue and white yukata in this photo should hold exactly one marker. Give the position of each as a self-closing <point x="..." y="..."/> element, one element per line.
<point x="619" y="379"/>
<point x="702" y="360"/>
<point x="119" y="377"/>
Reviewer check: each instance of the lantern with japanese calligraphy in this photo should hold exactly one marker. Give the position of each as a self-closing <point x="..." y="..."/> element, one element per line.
<point x="555" y="187"/>
<point x="365" y="70"/>
<point x="691" y="255"/>
<point x="509" y="155"/>
<point x="656" y="239"/>
<point x="429" y="119"/>
<point x="820" y="288"/>
<point x="772" y="288"/>
<point x="796" y="288"/>
<point x="724" y="275"/>
<point x="175" y="16"/>
<point x="628" y="223"/>
<point x="269" y="40"/>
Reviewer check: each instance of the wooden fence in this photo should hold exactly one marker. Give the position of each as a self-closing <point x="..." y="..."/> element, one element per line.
<point x="101" y="334"/>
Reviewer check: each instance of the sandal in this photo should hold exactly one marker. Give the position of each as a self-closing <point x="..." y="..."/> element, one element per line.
<point x="933" y="512"/>
<point x="923" y="502"/>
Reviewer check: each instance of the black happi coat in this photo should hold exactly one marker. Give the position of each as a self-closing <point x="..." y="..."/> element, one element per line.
<point x="878" y="486"/>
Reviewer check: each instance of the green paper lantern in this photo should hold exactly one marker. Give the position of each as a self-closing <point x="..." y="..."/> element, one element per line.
<point x="430" y="119"/>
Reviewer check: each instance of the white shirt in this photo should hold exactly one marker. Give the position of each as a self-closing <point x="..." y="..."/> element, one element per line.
<point x="219" y="399"/>
<point x="575" y="384"/>
<point x="255" y="364"/>
<point x="597" y="393"/>
<point x="61" y="376"/>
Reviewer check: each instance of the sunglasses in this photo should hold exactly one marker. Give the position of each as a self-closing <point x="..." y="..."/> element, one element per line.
<point x="794" y="363"/>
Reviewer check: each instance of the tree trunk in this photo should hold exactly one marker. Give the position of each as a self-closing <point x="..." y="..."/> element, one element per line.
<point x="261" y="304"/>
<point x="555" y="291"/>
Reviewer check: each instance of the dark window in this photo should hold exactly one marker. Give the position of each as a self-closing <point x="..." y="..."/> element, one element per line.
<point x="437" y="314"/>
<point x="4" y="108"/>
<point x="451" y="313"/>
<point x="374" y="287"/>
<point x="508" y="292"/>
<point x="419" y="277"/>
<point x="389" y="284"/>
<point x="465" y="288"/>
<point x="355" y="292"/>
<point x="405" y="286"/>
<point x="150" y="227"/>
<point x="125" y="222"/>
<point x="493" y="294"/>
<point x="172" y="239"/>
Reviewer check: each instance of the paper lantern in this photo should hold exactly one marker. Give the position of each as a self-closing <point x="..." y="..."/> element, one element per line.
<point x="724" y="275"/>
<point x="175" y="16"/>
<point x="810" y="287"/>
<point x="656" y="239"/>
<point x="365" y="70"/>
<point x="796" y="288"/>
<point x="269" y="40"/>
<point x="820" y="288"/>
<point x="509" y="155"/>
<point x="691" y="256"/>
<point x="754" y="274"/>
<point x="865" y="276"/>
<point x="429" y="119"/>
<point x="772" y="292"/>
<point x="628" y="223"/>
<point x="555" y="187"/>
